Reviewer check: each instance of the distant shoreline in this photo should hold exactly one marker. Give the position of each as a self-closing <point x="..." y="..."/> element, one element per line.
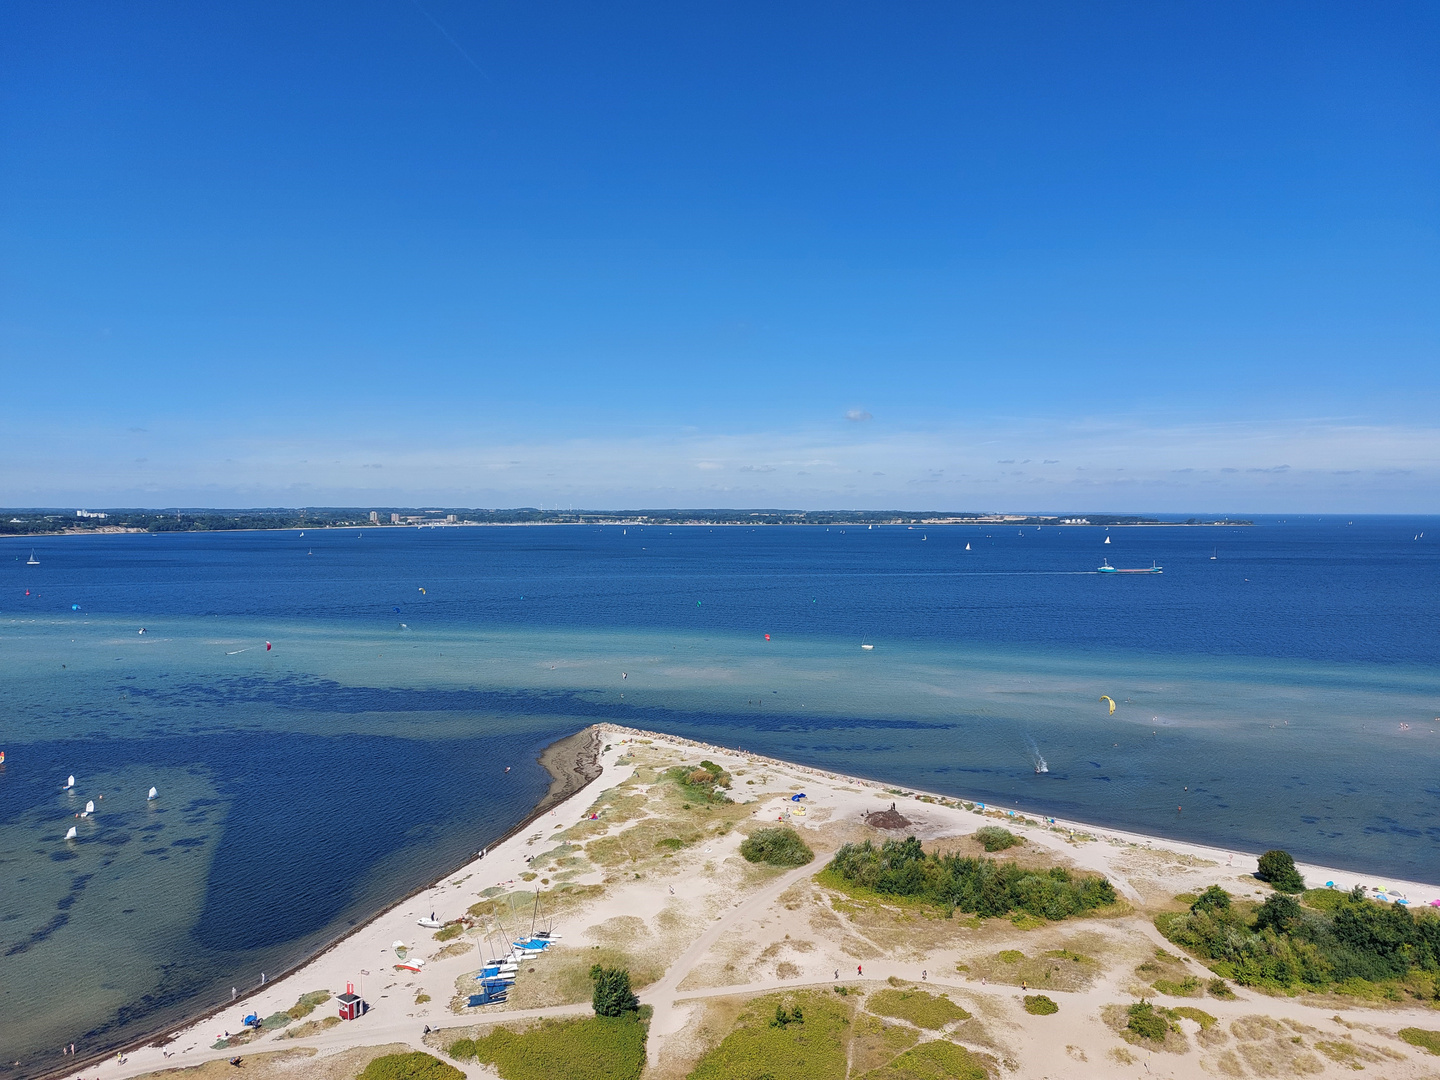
<point x="114" y="530"/>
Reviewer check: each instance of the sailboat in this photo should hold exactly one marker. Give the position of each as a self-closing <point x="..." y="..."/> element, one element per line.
<point x="153" y="795"/>
<point x="1214" y="554"/>
<point x="71" y="834"/>
<point x="1107" y="539"/>
<point x="69" y="783"/>
<point x="967" y="546"/>
<point x="32" y="561"/>
<point x="89" y="808"/>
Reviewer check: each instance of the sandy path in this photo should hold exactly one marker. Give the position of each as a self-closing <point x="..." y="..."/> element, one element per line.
<point x="662" y="995"/>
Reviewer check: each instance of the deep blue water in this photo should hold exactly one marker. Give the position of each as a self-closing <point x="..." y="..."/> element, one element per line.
<point x="1320" y="589"/>
<point x="307" y="786"/>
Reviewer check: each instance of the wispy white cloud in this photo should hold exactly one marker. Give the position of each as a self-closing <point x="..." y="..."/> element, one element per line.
<point x="1280" y="466"/>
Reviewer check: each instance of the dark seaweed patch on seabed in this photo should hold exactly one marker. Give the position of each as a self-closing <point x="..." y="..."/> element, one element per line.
<point x="326" y="696"/>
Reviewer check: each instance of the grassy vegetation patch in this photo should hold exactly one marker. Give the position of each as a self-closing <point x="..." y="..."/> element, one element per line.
<point x="1426" y="1040"/>
<point x="812" y="1049"/>
<point x="994" y="838"/>
<point x="412" y="1066"/>
<point x="1011" y="956"/>
<point x="776" y="846"/>
<point x="563" y="978"/>
<point x="1186" y="987"/>
<point x="703" y="783"/>
<point x="311" y="1027"/>
<point x="930" y="1011"/>
<point x="450" y="931"/>
<point x="1189" y="1012"/>
<point x="934" y="1060"/>
<point x="874" y="1043"/>
<point x="1040" y="1005"/>
<point x="589" y="1048"/>
<point x="307" y="1003"/>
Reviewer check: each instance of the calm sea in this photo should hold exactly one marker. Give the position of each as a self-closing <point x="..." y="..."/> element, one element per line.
<point x="1279" y="682"/>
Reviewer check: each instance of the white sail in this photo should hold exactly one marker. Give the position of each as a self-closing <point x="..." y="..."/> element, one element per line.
<point x="69" y="783"/>
<point x="71" y="834"/>
<point x="153" y="794"/>
<point x="967" y="547"/>
<point x="90" y="807"/>
<point x="1107" y="539"/>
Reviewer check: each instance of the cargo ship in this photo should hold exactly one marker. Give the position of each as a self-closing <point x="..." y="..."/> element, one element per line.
<point x="1106" y="568"/>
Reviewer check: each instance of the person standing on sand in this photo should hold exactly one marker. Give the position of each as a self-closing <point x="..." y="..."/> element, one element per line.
<point x="858" y="970"/>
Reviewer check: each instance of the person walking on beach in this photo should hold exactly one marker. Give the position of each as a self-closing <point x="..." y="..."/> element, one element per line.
<point x="858" y="970"/>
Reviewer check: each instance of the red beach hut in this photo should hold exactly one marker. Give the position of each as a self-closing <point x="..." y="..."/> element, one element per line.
<point x="352" y="1005"/>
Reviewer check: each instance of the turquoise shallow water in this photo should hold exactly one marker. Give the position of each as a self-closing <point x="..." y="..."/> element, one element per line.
<point x="304" y="787"/>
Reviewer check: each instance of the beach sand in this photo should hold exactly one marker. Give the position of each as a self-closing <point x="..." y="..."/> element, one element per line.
<point x="702" y="931"/>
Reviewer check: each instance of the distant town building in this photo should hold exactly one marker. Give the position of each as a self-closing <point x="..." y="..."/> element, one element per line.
<point x="1074" y="521"/>
<point x="394" y="519"/>
<point x="101" y="515"/>
<point x="375" y="516"/>
<point x="451" y="518"/>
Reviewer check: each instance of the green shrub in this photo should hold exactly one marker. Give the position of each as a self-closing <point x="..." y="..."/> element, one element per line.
<point x="1283" y="944"/>
<point x="1426" y="1040"/>
<point x="461" y="1049"/>
<point x="1278" y="868"/>
<point x="1142" y="1019"/>
<point x="449" y="931"/>
<point x="613" y="996"/>
<point x="994" y="838"/>
<point x="591" y="1048"/>
<point x="961" y="883"/>
<point x="1040" y="1005"/>
<point x="1212" y="899"/>
<point x="776" y="846"/>
<point x="670" y="843"/>
<point x="1219" y="988"/>
<point x="413" y="1066"/>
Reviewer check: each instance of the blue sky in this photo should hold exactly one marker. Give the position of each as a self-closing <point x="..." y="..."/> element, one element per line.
<point x="1099" y="256"/>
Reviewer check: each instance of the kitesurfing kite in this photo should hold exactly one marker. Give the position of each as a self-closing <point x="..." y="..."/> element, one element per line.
<point x="1107" y="697"/>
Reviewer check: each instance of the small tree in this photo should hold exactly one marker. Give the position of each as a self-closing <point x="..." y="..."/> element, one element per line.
<point x="613" y="996"/>
<point x="1278" y="868"/>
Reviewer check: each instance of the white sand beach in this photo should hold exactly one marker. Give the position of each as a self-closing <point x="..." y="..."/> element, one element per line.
<point x="703" y="930"/>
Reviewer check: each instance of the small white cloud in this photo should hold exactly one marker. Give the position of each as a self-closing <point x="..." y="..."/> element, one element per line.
<point x="708" y="465"/>
<point x="858" y="416"/>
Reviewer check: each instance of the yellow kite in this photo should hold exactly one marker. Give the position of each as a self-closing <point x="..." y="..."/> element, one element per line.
<point x="1107" y="697"/>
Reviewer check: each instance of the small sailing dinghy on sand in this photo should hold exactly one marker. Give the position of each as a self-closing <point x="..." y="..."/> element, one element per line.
<point x="431" y="923"/>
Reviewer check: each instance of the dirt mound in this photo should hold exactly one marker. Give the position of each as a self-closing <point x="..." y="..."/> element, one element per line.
<point x="887" y="819"/>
